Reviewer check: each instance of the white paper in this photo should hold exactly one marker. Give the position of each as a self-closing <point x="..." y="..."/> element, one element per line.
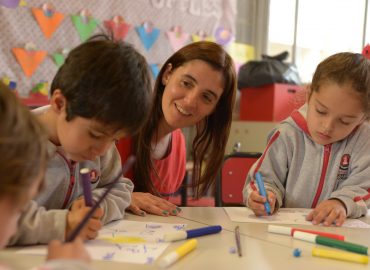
<point x="283" y="216"/>
<point x="125" y="241"/>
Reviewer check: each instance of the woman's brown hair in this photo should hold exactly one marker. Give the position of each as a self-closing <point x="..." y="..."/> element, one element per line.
<point x="211" y="133"/>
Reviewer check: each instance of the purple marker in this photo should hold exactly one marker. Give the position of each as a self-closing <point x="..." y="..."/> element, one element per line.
<point x="128" y="164"/>
<point x="86" y="186"/>
<point x="181" y="235"/>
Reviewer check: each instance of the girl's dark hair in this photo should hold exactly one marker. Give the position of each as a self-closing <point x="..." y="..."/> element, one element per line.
<point x="23" y="141"/>
<point x="212" y="132"/>
<point x="345" y="68"/>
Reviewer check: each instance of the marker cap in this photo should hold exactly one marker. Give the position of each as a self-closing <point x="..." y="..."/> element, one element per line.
<point x="309" y="237"/>
<point x="279" y="229"/>
<point x="175" y="236"/>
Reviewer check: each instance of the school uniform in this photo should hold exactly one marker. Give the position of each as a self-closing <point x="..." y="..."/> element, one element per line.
<point x="303" y="173"/>
<point x="46" y="216"/>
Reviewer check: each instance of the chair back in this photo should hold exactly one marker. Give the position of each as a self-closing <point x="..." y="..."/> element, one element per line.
<point x="230" y="183"/>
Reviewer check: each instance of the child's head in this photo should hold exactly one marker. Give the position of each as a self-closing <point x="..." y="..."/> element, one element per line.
<point x="339" y="97"/>
<point x="106" y="85"/>
<point x="23" y="158"/>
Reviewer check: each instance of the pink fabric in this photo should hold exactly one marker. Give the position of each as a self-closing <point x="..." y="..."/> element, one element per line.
<point x="171" y="169"/>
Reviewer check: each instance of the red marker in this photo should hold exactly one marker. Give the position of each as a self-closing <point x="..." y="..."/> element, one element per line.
<point x="290" y="231"/>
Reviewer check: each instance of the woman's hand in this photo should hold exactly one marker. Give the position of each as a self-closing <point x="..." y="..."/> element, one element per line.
<point x="142" y="203"/>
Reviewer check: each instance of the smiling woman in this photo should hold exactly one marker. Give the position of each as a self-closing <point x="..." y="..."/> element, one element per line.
<point x="195" y="87"/>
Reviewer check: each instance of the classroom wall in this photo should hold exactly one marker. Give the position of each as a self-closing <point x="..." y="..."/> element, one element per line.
<point x="19" y="26"/>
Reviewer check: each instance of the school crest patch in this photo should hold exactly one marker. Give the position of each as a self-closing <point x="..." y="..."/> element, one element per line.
<point x="93" y="176"/>
<point x="343" y="167"/>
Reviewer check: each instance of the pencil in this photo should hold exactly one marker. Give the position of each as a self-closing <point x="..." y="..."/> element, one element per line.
<point x="129" y="162"/>
<point x="237" y="240"/>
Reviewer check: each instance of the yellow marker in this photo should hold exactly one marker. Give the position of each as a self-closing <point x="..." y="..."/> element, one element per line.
<point x="340" y="255"/>
<point x="178" y="253"/>
<point x="124" y="240"/>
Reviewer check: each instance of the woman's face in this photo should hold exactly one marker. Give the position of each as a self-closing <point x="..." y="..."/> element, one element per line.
<point x="191" y="93"/>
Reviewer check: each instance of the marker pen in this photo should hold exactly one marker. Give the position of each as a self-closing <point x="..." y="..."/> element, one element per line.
<point x="331" y="242"/>
<point x="86" y="186"/>
<point x="263" y="193"/>
<point x="290" y="231"/>
<point x="181" y="235"/>
<point x="340" y="255"/>
<point x="178" y="253"/>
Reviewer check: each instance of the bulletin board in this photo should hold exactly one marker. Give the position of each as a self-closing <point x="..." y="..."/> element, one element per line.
<point x="37" y="35"/>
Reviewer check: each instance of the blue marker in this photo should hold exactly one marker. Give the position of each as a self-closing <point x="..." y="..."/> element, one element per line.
<point x="262" y="189"/>
<point x="181" y="235"/>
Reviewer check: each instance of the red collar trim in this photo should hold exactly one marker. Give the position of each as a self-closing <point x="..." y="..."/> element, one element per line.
<point x="300" y="121"/>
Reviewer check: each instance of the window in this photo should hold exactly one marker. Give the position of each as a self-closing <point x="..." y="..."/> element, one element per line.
<point x="323" y="28"/>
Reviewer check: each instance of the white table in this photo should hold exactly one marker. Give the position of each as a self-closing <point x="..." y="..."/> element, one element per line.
<point x="261" y="250"/>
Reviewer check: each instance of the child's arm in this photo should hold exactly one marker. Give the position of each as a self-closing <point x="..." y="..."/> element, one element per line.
<point x="351" y="195"/>
<point x="72" y="256"/>
<point x="273" y="165"/>
<point x="39" y="226"/>
<point x="119" y="198"/>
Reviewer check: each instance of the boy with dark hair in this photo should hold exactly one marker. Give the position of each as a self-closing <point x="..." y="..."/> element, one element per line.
<point x="99" y="95"/>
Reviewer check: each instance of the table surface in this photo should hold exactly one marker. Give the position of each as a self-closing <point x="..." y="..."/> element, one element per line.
<point x="261" y="250"/>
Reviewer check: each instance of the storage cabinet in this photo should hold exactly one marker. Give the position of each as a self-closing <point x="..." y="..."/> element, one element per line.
<point x="272" y="103"/>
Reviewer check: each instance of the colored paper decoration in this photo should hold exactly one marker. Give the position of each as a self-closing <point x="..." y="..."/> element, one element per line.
<point x="48" y="19"/>
<point x="9" y="3"/>
<point x="147" y="34"/>
<point x="85" y="24"/>
<point x="201" y="36"/>
<point x="11" y="84"/>
<point x="177" y="38"/>
<point x="118" y="27"/>
<point x="223" y="36"/>
<point x="155" y="70"/>
<point x="60" y="57"/>
<point x="366" y="51"/>
<point x="29" y="59"/>
<point x="41" y="87"/>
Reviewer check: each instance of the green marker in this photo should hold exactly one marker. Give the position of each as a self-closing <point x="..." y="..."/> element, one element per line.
<point x="331" y="242"/>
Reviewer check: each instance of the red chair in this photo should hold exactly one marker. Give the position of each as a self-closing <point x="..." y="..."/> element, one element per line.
<point x="230" y="183"/>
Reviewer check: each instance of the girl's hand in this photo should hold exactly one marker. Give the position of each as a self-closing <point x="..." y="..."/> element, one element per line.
<point x="142" y="203"/>
<point x="256" y="203"/>
<point x="328" y="212"/>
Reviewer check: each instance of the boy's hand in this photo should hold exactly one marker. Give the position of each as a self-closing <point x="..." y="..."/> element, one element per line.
<point x="74" y="250"/>
<point x="77" y="213"/>
<point x="142" y="203"/>
<point x="328" y="212"/>
<point x="256" y="203"/>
